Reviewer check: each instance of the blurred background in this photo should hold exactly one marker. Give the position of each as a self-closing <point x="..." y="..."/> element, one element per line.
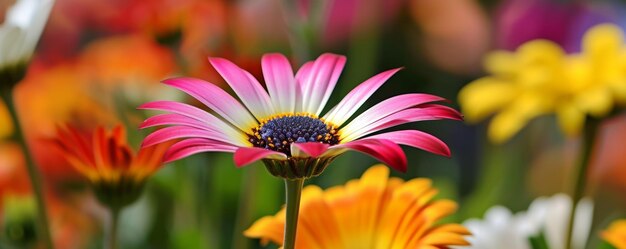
<point x="98" y="60"/>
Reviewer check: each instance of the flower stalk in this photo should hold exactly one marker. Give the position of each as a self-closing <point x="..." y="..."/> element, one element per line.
<point x="33" y="171"/>
<point x="115" y="214"/>
<point x="293" y="189"/>
<point x="580" y="180"/>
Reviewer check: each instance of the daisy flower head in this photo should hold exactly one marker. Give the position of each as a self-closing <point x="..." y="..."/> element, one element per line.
<point x="284" y="127"/>
<point x="500" y="228"/>
<point x="104" y="158"/>
<point x="23" y="24"/>
<point x="376" y="212"/>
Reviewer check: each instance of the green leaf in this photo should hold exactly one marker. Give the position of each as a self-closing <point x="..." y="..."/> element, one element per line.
<point x="538" y="241"/>
<point x="606" y="245"/>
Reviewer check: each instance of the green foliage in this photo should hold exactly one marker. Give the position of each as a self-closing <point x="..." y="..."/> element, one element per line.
<point x="538" y="241"/>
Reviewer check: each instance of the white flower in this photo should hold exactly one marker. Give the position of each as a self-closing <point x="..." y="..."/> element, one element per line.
<point x="502" y="229"/>
<point x="21" y="30"/>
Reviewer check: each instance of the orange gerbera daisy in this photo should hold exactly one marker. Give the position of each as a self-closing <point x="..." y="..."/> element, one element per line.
<point x="616" y="234"/>
<point x="107" y="161"/>
<point x="374" y="212"/>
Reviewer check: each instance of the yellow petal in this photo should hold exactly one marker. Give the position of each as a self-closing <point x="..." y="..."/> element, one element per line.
<point x="376" y="176"/>
<point x="6" y="126"/>
<point x="319" y="228"/>
<point x="541" y="63"/>
<point x="603" y="40"/>
<point x="485" y="96"/>
<point x="445" y="239"/>
<point x="597" y="102"/>
<point x="540" y="52"/>
<point x="615" y="239"/>
<point x="452" y="228"/>
<point x="526" y="107"/>
<point x="618" y="85"/>
<point x="571" y="119"/>
<point x="618" y="88"/>
<point x="371" y="195"/>
<point x="414" y="229"/>
<point x="616" y="234"/>
<point x="501" y="63"/>
<point x="505" y="125"/>
<point x="267" y="229"/>
<point x="440" y="209"/>
<point x="578" y="76"/>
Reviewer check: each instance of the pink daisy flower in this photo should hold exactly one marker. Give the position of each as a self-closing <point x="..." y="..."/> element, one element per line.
<point x="283" y="125"/>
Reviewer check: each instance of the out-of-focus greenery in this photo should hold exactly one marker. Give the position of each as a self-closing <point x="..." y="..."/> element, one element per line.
<point x="204" y="201"/>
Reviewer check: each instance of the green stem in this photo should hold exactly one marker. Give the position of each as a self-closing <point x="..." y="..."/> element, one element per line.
<point x="580" y="180"/>
<point x="33" y="171"/>
<point x="293" y="189"/>
<point x="115" y="216"/>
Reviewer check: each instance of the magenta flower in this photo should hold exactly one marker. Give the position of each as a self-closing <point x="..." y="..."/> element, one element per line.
<point x="283" y="127"/>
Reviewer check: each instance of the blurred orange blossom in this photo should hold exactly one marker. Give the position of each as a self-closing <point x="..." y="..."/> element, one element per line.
<point x="104" y="158"/>
<point x="82" y="91"/>
<point x="373" y="212"/>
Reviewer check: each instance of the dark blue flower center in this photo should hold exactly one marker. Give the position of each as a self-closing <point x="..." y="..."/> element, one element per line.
<point x="279" y="133"/>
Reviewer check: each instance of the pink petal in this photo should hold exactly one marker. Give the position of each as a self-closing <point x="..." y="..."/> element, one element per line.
<point x="280" y="82"/>
<point x="310" y="149"/>
<point x="351" y="103"/>
<point x="234" y="136"/>
<point x="193" y="146"/>
<point x="216" y="99"/>
<point x="175" y="119"/>
<point x="393" y="105"/>
<point x="247" y="155"/>
<point x="417" y="139"/>
<point x="194" y="114"/>
<point x="176" y="132"/>
<point x="384" y="150"/>
<point x="177" y="107"/>
<point x="428" y="112"/>
<point x="321" y="81"/>
<point x="246" y="86"/>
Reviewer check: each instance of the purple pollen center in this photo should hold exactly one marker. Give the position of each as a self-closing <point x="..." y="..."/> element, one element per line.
<point x="279" y="133"/>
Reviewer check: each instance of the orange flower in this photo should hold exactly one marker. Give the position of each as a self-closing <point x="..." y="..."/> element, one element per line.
<point x="125" y="59"/>
<point x="107" y="161"/>
<point x="616" y="234"/>
<point x="13" y="175"/>
<point x="60" y="85"/>
<point x="374" y="212"/>
<point x="106" y="81"/>
<point x="127" y="68"/>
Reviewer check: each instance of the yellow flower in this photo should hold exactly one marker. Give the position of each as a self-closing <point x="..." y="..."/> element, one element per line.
<point x="616" y="234"/>
<point x="539" y="79"/>
<point x="373" y="212"/>
<point x="595" y="78"/>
